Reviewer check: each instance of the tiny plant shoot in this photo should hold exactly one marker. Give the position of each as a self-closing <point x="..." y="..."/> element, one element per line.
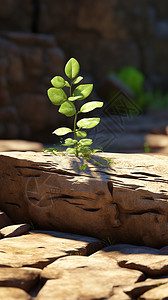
<point x="79" y="144"/>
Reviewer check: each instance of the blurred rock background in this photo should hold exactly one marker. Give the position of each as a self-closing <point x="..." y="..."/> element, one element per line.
<point x="38" y="36"/>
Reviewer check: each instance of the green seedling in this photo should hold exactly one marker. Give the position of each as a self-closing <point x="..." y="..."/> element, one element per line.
<point x="75" y="253"/>
<point x="79" y="144"/>
<point x="146" y="148"/>
<point x="83" y="167"/>
<point x="108" y="241"/>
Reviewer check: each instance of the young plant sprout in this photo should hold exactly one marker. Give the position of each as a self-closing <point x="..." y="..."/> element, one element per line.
<point x="79" y="144"/>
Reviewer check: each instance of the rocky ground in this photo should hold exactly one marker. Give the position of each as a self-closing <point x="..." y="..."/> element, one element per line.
<point x="40" y="264"/>
<point x="53" y="265"/>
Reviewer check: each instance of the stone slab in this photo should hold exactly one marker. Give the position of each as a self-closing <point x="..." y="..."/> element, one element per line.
<point x="157" y="293"/>
<point x="14" y="230"/>
<point x="145" y="259"/>
<point x="38" y="249"/>
<point x="23" y="278"/>
<point x="140" y="288"/>
<point x="93" y="277"/>
<point x="11" y="293"/>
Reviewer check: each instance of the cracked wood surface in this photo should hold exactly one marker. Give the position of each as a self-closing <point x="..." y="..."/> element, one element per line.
<point x="126" y="201"/>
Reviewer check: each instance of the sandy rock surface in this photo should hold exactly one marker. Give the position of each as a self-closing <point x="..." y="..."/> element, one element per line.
<point x="53" y="265"/>
<point x="126" y="200"/>
<point x="121" y="205"/>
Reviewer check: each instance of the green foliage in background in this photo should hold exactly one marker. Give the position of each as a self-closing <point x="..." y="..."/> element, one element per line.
<point x="135" y="81"/>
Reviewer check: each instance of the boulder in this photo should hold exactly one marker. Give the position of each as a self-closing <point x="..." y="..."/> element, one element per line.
<point x="125" y="201"/>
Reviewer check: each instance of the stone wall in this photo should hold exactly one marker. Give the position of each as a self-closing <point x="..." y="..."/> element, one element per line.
<point x="106" y="35"/>
<point x="27" y="63"/>
<point x="102" y="35"/>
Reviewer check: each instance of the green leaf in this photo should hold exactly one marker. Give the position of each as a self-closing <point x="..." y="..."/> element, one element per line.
<point x="74" y="98"/>
<point x="62" y="131"/>
<point x="56" y="96"/>
<point x="97" y="150"/>
<point x="77" y="80"/>
<point x="72" y="68"/>
<point x="90" y="106"/>
<point x="68" y="109"/>
<point x="83" y="167"/>
<point x="70" y="142"/>
<point x="58" y="82"/>
<point x="87" y="123"/>
<point x="67" y="83"/>
<point x="71" y="150"/>
<point x="81" y="134"/>
<point x="83" y="90"/>
<point x="98" y="163"/>
<point x="85" y="150"/>
<point x="86" y="142"/>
